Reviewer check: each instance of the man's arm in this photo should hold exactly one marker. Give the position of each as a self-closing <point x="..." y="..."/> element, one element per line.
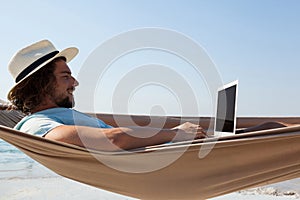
<point x="123" y="137"/>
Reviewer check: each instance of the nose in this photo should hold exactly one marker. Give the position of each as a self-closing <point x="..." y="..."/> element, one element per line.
<point x="76" y="83"/>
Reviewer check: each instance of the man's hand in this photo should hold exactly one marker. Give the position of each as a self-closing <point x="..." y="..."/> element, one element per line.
<point x="188" y="131"/>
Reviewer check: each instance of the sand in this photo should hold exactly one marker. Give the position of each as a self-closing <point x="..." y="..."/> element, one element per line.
<point x="62" y="188"/>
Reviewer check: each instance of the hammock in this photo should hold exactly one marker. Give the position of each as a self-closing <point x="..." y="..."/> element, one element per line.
<point x="234" y="163"/>
<point x="10" y="118"/>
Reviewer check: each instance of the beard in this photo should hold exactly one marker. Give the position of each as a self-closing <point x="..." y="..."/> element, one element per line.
<point x="61" y="99"/>
<point x="65" y="103"/>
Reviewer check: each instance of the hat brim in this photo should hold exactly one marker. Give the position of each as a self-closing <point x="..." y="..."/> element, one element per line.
<point x="68" y="53"/>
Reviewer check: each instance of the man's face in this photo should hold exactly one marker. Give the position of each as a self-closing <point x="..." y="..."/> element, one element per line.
<point x="62" y="93"/>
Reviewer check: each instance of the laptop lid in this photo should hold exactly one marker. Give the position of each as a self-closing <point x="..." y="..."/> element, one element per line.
<point x="226" y="105"/>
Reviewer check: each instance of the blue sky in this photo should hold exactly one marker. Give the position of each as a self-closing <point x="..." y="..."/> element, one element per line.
<point x="257" y="42"/>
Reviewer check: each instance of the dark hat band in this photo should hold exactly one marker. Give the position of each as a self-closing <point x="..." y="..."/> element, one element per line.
<point x="34" y="65"/>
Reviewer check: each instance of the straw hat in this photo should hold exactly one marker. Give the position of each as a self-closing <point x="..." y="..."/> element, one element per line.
<point x="32" y="58"/>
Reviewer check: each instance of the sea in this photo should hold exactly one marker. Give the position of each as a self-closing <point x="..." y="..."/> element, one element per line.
<point x="14" y="164"/>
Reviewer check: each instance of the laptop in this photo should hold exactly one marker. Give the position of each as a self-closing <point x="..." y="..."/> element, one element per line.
<point x="226" y="106"/>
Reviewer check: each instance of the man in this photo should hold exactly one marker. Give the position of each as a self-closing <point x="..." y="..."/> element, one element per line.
<point x="44" y="90"/>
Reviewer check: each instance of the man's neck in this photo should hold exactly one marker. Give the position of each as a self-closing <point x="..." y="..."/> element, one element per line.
<point x="44" y="106"/>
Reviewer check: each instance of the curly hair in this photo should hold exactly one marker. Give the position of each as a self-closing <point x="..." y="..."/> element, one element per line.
<point x="30" y="92"/>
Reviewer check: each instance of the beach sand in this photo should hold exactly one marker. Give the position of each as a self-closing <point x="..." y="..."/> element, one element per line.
<point x="52" y="188"/>
<point x="62" y="188"/>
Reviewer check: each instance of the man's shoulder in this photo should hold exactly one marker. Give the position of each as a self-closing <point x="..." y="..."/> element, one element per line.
<point x="35" y="118"/>
<point x="58" y="111"/>
<point x="36" y="124"/>
<point x="54" y="111"/>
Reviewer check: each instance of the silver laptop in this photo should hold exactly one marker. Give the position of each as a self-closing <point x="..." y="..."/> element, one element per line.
<point x="226" y="105"/>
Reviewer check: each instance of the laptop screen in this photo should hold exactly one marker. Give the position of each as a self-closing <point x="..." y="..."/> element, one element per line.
<point x="226" y="109"/>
